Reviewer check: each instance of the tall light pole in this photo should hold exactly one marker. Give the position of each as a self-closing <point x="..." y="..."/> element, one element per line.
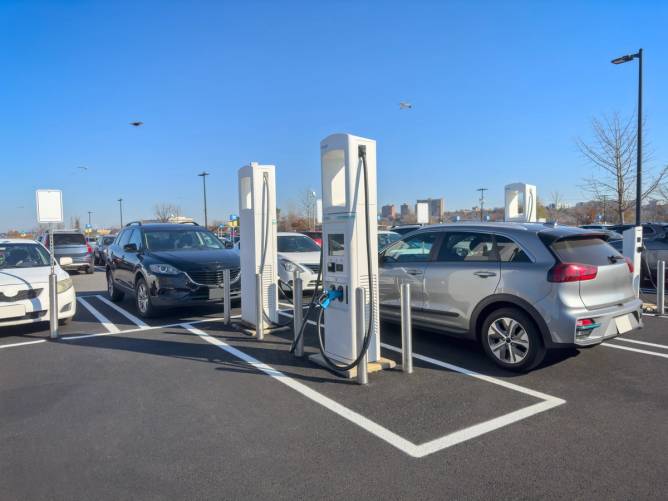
<point x="203" y="175"/>
<point x="482" y="202"/>
<point x="626" y="59"/>
<point x="120" y="207"/>
<point x="89" y="222"/>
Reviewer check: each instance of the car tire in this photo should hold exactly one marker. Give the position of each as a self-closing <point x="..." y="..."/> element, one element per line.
<point x="90" y="270"/>
<point x="511" y="339"/>
<point x="114" y="294"/>
<point x="64" y="321"/>
<point x="143" y="299"/>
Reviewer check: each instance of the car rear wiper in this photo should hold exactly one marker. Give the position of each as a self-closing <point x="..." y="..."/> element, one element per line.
<point x="613" y="259"/>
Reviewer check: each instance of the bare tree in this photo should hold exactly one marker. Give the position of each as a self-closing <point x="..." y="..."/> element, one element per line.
<point x="164" y="212"/>
<point x="307" y="206"/>
<point x="612" y="151"/>
<point x="556" y="206"/>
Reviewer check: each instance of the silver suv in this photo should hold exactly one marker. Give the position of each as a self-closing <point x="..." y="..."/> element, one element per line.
<point x="518" y="289"/>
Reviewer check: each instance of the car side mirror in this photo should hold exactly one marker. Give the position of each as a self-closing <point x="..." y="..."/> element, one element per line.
<point x="229" y="245"/>
<point x="130" y="247"/>
<point x="65" y="261"/>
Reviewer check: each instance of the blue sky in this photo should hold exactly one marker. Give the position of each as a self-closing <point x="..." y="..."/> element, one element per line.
<point x="500" y="90"/>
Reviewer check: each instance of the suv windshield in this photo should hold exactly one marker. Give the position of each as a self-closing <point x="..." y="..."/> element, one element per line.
<point x="296" y="243"/>
<point x="68" y="239"/>
<point x="175" y="240"/>
<point x="22" y="256"/>
<point x="592" y="251"/>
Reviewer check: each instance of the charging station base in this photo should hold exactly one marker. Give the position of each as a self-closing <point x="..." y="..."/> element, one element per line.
<point x="379" y="365"/>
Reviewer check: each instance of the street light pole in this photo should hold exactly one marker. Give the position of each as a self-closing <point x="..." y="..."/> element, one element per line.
<point x="89" y="222"/>
<point x="482" y="202"/>
<point x="120" y="207"/>
<point x="626" y="59"/>
<point x="203" y="175"/>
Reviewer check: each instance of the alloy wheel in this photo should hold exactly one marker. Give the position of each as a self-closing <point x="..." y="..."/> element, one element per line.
<point x="508" y="340"/>
<point x="142" y="297"/>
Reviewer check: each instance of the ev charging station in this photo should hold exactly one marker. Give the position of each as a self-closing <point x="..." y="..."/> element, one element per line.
<point x="257" y="218"/>
<point x="350" y="243"/>
<point x="521" y="203"/>
<point x="631" y="248"/>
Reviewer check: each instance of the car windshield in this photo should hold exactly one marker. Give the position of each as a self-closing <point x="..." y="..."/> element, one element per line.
<point x="385" y="239"/>
<point x="177" y="240"/>
<point x="69" y="239"/>
<point x="296" y="243"/>
<point x="108" y="240"/>
<point x="592" y="251"/>
<point x="22" y="256"/>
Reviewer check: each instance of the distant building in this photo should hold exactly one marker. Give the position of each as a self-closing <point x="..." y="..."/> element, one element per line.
<point x="436" y="208"/>
<point x="405" y="210"/>
<point x="388" y="211"/>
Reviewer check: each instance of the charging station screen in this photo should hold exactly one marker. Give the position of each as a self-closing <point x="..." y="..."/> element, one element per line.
<point x="335" y="244"/>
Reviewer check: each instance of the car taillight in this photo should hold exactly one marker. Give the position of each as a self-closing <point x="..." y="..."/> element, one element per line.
<point x="88" y="249"/>
<point x="629" y="263"/>
<point x="572" y="272"/>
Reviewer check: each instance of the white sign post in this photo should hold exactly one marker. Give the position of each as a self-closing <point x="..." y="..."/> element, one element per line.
<point x="50" y="211"/>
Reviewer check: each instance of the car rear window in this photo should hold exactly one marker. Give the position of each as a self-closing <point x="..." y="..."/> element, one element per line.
<point x="69" y="239"/>
<point x="592" y="251"/>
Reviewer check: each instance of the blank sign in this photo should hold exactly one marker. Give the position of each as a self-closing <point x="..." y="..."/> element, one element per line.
<point x="49" y="206"/>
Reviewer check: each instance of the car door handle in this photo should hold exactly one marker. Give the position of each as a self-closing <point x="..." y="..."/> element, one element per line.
<point x="485" y="274"/>
<point x="414" y="272"/>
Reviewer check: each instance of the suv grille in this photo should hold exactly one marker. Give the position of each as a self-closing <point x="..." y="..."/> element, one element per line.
<point x="315" y="268"/>
<point x="213" y="277"/>
<point x="21" y="296"/>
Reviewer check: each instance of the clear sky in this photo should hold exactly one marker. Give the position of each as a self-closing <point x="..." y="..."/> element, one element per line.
<point x="500" y="90"/>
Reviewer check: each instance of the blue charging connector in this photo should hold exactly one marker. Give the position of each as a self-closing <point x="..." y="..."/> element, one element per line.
<point x="332" y="294"/>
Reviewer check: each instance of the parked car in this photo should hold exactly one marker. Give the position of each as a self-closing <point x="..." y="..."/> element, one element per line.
<point x="403" y="229"/>
<point x="298" y="252"/>
<point x="518" y="289"/>
<point x="72" y="244"/>
<point x="315" y="235"/>
<point x="649" y="230"/>
<point x="163" y="265"/>
<point x="24" y="284"/>
<point x="385" y="238"/>
<point x="100" y="249"/>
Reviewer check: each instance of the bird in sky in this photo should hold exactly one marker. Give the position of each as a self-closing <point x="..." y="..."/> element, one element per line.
<point x="403" y="105"/>
<point x="82" y="168"/>
<point x="137" y="124"/>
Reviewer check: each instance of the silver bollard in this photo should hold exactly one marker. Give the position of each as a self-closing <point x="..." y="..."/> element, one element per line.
<point x="53" y="304"/>
<point x="661" y="287"/>
<point x="298" y="313"/>
<point x="406" y="330"/>
<point x="362" y="368"/>
<point x="259" y="308"/>
<point x="227" y="301"/>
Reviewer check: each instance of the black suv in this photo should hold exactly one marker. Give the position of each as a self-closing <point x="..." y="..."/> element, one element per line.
<point x="164" y="264"/>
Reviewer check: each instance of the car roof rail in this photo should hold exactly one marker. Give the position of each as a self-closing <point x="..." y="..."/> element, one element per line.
<point x="138" y="223"/>
<point x="189" y="222"/>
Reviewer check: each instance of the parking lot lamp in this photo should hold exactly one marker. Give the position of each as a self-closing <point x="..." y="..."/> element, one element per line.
<point x="120" y="206"/>
<point x="203" y="175"/>
<point x="626" y="59"/>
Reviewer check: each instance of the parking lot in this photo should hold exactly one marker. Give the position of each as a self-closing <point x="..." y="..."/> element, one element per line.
<point x="183" y="406"/>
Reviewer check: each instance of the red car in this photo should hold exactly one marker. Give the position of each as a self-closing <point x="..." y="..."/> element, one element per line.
<point x="316" y="236"/>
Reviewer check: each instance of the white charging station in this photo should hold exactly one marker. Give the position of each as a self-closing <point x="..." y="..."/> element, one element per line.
<point x="344" y="240"/>
<point x="257" y="220"/>
<point x="631" y="248"/>
<point x="521" y="203"/>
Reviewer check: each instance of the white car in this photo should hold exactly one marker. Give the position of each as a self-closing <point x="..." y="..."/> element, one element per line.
<point x="296" y="251"/>
<point x="24" y="284"/>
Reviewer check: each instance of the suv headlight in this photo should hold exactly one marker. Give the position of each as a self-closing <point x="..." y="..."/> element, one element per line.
<point x="289" y="266"/>
<point x="164" y="269"/>
<point x="64" y="285"/>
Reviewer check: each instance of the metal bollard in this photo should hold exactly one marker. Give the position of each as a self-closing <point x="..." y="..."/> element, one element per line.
<point x="53" y="305"/>
<point x="298" y="313"/>
<point x="362" y="368"/>
<point x="259" y="308"/>
<point x="227" y="301"/>
<point x="661" y="287"/>
<point x="406" y="330"/>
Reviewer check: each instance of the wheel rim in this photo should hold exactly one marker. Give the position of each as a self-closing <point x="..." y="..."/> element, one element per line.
<point x="508" y="340"/>
<point x="110" y="284"/>
<point x="142" y="298"/>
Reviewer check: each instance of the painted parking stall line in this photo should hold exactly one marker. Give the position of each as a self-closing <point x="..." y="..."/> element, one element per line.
<point x="644" y="343"/>
<point x="24" y="343"/>
<point x="137" y="321"/>
<point x="635" y="350"/>
<point x="106" y="323"/>
<point x="414" y="450"/>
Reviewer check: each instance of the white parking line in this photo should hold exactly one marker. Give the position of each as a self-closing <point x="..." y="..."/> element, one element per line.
<point x="22" y="344"/>
<point x="106" y="323"/>
<point x="408" y="447"/>
<point x="655" y="345"/>
<point x="645" y="352"/>
<point x="137" y="321"/>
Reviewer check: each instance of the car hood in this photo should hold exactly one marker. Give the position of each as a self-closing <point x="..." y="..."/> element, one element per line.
<point x="188" y="260"/>
<point x="28" y="276"/>
<point x="301" y="257"/>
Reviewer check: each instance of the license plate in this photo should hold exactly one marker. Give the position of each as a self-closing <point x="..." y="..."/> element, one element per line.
<point x="216" y="293"/>
<point x="624" y="323"/>
<point x="15" y="310"/>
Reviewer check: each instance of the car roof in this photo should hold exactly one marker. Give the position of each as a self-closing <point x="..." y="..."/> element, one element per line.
<point x="551" y="230"/>
<point x="290" y="234"/>
<point x="17" y="241"/>
<point x="165" y="226"/>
